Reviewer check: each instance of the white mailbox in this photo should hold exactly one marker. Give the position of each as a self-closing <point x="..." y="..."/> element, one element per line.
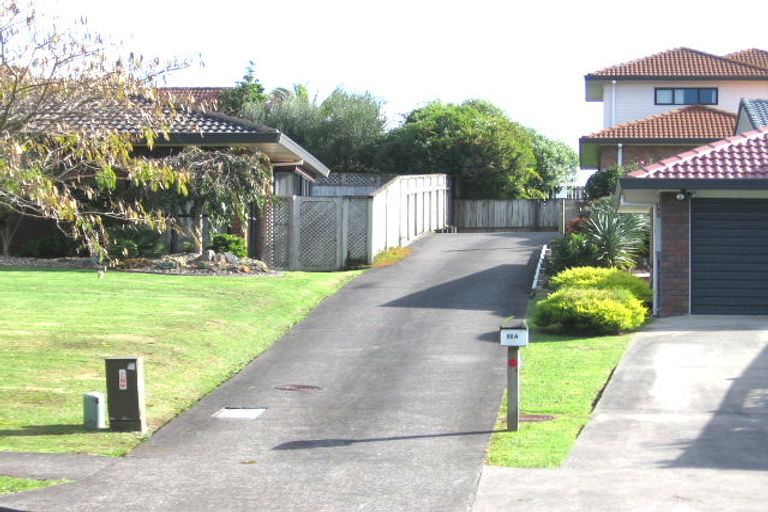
<point x="514" y="333"/>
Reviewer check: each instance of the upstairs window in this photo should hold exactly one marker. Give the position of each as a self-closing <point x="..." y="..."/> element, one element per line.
<point x="686" y="96"/>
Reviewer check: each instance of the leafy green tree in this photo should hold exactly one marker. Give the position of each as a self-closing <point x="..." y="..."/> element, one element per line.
<point x="603" y="182"/>
<point x="291" y="112"/>
<point x="248" y="91"/>
<point x="51" y="164"/>
<point x="487" y="154"/>
<point x="556" y="163"/>
<point x="222" y="185"/>
<point x="342" y="131"/>
<point x="352" y="125"/>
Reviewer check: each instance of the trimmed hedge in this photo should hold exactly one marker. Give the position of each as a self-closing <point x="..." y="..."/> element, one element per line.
<point x="603" y="278"/>
<point x="590" y="311"/>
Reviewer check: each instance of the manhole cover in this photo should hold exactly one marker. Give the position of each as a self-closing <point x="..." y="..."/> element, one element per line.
<point x="297" y="387"/>
<point x="535" y="418"/>
<point x="242" y="413"/>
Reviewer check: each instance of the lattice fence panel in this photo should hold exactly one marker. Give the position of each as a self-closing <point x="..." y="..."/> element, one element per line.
<point x="357" y="231"/>
<point x="278" y="228"/>
<point x="318" y="242"/>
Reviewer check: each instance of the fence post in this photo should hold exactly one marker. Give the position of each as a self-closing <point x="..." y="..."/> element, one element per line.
<point x="342" y="207"/>
<point x="294" y="231"/>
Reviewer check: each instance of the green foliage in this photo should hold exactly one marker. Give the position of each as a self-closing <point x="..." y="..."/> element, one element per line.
<point x="342" y="131"/>
<point x="123" y="248"/>
<point x="618" y="238"/>
<point x="556" y="162"/>
<point x="603" y="278"/>
<point x="148" y="242"/>
<point x="603" y="182"/>
<point x="572" y="250"/>
<point x="247" y="91"/>
<point x="590" y="311"/>
<point x="53" y="245"/>
<point x="487" y="154"/>
<point x="224" y="242"/>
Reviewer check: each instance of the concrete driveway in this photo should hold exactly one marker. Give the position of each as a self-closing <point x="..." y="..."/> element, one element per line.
<point x="683" y="425"/>
<point x="409" y="376"/>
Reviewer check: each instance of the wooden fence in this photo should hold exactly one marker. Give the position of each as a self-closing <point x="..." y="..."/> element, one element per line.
<point x="513" y="214"/>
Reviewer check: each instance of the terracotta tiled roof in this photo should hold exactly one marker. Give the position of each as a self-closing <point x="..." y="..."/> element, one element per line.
<point x="695" y="122"/>
<point x="207" y="97"/>
<point x="682" y="63"/>
<point x="753" y="56"/>
<point x="742" y="156"/>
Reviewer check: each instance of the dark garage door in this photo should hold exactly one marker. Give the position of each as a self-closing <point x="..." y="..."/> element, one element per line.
<point x="729" y="256"/>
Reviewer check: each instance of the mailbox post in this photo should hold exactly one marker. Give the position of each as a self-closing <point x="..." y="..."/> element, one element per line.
<point x="125" y="394"/>
<point x="513" y="334"/>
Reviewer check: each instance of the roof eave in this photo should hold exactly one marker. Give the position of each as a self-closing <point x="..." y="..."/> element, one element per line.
<point x="604" y="78"/>
<point x="693" y="183"/>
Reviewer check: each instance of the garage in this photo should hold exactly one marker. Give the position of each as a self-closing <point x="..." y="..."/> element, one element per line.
<point x="729" y="256"/>
<point x="710" y="226"/>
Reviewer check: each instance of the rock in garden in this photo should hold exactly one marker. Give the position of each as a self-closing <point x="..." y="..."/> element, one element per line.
<point x="207" y="255"/>
<point x="231" y="258"/>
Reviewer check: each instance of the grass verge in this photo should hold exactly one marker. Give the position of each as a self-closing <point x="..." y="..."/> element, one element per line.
<point x="560" y="376"/>
<point x="9" y="484"/>
<point x="194" y="332"/>
<point x="391" y="256"/>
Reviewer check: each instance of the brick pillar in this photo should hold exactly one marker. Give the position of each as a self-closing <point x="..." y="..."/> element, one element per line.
<point x="674" y="276"/>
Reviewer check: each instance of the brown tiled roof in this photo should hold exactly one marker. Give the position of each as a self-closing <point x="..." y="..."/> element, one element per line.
<point x="753" y="56"/>
<point x="696" y="122"/>
<point x="206" y="97"/>
<point x="742" y="156"/>
<point x="682" y="63"/>
<point x="139" y="113"/>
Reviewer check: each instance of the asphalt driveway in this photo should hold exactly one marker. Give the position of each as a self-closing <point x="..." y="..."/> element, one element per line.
<point x="683" y="425"/>
<point x="406" y="375"/>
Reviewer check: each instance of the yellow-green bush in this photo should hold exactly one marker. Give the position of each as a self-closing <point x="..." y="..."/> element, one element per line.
<point x="591" y="311"/>
<point x="603" y="278"/>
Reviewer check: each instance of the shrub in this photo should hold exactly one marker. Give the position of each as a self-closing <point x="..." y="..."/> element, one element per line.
<point x="618" y="238"/>
<point x="603" y="278"/>
<point x="123" y="248"/>
<point x="590" y="311"/>
<point x="572" y="250"/>
<point x="603" y="183"/>
<point x="229" y="243"/>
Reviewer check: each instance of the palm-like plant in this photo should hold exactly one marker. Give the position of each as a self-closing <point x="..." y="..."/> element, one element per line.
<point x="617" y="237"/>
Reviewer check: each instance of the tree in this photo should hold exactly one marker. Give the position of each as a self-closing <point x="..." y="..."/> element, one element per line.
<point x="248" y="91"/>
<point x="342" y="131"/>
<point x="222" y="184"/>
<point x="487" y="155"/>
<point x="53" y="164"/>
<point x="556" y="163"/>
<point x="291" y="112"/>
<point x="603" y="182"/>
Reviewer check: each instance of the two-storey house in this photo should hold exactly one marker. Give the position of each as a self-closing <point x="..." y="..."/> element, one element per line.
<point x="670" y="102"/>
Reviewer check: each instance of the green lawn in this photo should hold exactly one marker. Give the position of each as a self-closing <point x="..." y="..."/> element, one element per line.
<point x="194" y="332"/>
<point x="9" y="484"/>
<point x="560" y="376"/>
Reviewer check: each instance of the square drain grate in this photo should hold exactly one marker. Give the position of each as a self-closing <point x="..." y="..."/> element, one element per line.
<point x="241" y="413"/>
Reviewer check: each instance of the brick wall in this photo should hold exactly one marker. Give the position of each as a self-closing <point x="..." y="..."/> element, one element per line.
<point x="674" y="259"/>
<point x="646" y="154"/>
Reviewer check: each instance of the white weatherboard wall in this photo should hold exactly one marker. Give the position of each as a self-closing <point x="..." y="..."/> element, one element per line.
<point x="635" y="99"/>
<point x="406" y="208"/>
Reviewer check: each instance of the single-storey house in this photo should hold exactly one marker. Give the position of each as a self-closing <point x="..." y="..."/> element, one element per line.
<point x="294" y="168"/>
<point x="709" y="208"/>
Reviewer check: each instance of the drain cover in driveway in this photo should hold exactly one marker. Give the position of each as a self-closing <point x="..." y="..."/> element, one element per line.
<point x="297" y="387"/>
<point x="243" y="413"/>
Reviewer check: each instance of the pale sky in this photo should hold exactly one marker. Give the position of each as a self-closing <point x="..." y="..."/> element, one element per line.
<point x="529" y="58"/>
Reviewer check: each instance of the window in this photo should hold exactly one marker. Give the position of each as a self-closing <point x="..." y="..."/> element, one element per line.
<point x="686" y="96"/>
